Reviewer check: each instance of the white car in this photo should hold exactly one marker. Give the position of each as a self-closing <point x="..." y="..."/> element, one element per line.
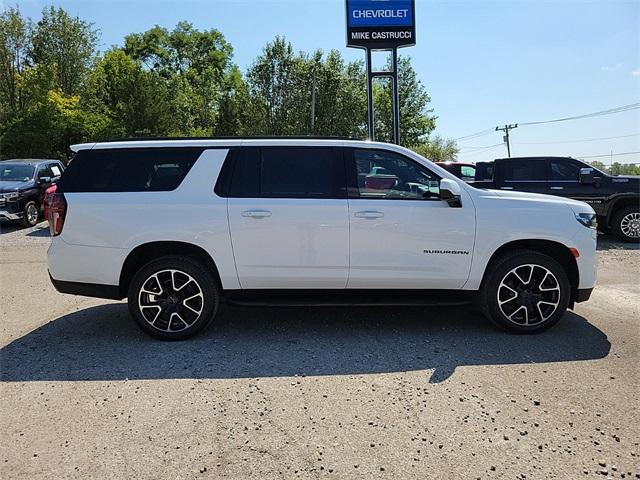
<point x="179" y="225"/>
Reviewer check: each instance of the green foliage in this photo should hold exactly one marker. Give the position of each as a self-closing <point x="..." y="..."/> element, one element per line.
<point x="617" y="168"/>
<point x="437" y="149"/>
<point x="55" y="89"/>
<point x="69" y="43"/>
<point x="416" y="120"/>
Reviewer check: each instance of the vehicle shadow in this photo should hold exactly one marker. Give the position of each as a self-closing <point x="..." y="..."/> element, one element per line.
<point x="609" y="242"/>
<point x="10" y="227"/>
<point x="102" y="343"/>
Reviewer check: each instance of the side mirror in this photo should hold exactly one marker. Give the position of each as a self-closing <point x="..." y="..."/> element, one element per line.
<point x="44" y="180"/>
<point x="450" y="192"/>
<point x="588" y="176"/>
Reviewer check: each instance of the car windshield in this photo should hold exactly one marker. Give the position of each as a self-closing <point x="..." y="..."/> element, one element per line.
<point x="15" y="172"/>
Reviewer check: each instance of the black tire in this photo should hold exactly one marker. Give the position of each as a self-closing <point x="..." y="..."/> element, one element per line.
<point x="498" y="303"/>
<point x="626" y="224"/>
<point x="188" y="300"/>
<point x="29" y="220"/>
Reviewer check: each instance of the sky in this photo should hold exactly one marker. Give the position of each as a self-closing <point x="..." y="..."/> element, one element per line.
<point x="484" y="63"/>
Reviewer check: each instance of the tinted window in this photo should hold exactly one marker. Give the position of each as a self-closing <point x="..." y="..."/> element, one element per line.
<point x="128" y="170"/>
<point x="44" y="171"/>
<point x="564" y="170"/>
<point x="12" y="172"/>
<point x="288" y="172"/>
<point x="55" y="169"/>
<point x="401" y="178"/>
<point x="524" y="170"/>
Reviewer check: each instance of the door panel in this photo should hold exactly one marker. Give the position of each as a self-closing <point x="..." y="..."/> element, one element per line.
<point x="290" y="243"/>
<point x="412" y="244"/>
<point x="401" y="234"/>
<point x="524" y="175"/>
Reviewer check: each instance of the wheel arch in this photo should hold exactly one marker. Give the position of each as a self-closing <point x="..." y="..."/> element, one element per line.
<point x="146" y="252"/>
<point x="555" y="250"/>
<point x="618" y="203"/>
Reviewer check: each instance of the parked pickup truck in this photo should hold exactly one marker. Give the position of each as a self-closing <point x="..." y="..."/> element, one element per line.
<point x="616" y="200"/>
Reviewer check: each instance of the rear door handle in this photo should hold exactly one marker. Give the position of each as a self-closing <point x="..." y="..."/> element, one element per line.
<point x="256" y="213"/>
<point x="506" y="188"/>
<point x="369" y="214"/>
<point x="556" y="188"/>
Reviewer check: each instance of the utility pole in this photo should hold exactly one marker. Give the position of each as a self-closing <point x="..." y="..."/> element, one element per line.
<point x="313" y="101"/>
<point x="505" y="139"/>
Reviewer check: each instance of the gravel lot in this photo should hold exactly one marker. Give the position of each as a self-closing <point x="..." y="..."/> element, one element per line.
<point x="315" y="393"/>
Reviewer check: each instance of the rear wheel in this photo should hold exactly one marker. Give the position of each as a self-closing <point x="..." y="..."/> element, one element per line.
<point x="173" y="298"/>
<point x="626" y="224"/>
<point x="525" y="292"/>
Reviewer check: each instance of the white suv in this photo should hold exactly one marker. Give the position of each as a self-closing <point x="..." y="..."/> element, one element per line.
<point x="179" y="225"/>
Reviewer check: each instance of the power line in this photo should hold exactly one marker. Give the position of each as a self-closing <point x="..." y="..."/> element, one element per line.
<point x="475" y="135"/>
<point x="623" y="108"/>
<point x="579" y="141"/>
<point x="608" y="155"/>
<point x="610" y="111"/>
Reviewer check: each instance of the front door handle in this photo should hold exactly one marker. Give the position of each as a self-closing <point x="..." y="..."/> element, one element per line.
<point x="369" y="214"/>
<point x="556" y="188"/>
<point x="506" y="188"/>
<point x="256" y="213"/>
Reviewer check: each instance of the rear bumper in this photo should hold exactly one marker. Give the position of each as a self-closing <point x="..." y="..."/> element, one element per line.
<point x="111" y="292"/>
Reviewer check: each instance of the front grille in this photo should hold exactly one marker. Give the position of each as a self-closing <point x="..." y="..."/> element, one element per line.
<point x="3" y="202"/>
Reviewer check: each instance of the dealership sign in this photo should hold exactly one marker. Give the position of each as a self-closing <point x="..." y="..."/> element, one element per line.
<point x="381" y="24"/>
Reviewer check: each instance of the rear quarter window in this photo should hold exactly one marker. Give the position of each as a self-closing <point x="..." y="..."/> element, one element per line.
<point x="128" y="170"/>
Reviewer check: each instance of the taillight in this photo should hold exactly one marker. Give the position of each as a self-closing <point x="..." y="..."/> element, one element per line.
<point x="57" y="212"/>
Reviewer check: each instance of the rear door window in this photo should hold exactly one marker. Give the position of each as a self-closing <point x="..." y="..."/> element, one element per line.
<point x="525" y="170"/>
<point x="288" y="172"/>
<point x="128" y="170"/>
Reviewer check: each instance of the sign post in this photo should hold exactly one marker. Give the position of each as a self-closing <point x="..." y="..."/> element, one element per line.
<point x="381" y="25"/>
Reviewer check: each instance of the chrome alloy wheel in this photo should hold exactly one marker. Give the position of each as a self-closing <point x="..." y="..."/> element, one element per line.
<point x="170" y="300"/>
<point x="32" y="214"/>
<point x="630" y="225"/>
<point x="529" y="294"/>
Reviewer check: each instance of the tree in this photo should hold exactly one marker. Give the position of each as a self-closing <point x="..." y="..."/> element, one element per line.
<point x="15" y="43"/>
<point x="135" y="101"/>
<point x="196" y="66"/>
<point x="437" y="149"/>
<point x="66" y="42"/>
<point x="416" y="120"/>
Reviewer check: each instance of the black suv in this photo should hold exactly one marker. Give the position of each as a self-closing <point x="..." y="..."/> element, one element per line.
<point x="616" y="199"/>
<point x="22" y="187"/>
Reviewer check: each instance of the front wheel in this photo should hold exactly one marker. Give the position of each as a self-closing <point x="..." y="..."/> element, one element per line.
<point x="173" y="297"/>
<point x="525" y="292"/>
<point x="31" y="213"/>
<point x="626" y="224"/>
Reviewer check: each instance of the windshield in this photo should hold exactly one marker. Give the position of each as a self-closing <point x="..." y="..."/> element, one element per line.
<point x="14" y="172"/>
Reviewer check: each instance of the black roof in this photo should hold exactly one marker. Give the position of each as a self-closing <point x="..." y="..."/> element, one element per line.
<point x="31" y="161"/>
<point x="536" y="157"/>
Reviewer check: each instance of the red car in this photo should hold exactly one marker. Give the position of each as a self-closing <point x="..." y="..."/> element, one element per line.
<point x="48" y="196"/>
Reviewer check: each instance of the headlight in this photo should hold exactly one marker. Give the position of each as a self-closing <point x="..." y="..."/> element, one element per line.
<point x="589" y="220"/>
<point x="11" y="197"/>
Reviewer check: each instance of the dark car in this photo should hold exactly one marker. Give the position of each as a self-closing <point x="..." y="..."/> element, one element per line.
<point x="615" y="199"/>
<point x="22" y="188"/>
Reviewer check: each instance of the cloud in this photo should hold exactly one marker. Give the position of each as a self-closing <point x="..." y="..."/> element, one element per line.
<point x="611" y="68"/>
<point x="636" y="72"/>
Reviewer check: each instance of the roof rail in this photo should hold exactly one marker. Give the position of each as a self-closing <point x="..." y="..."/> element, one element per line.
<point x="245" y="137"/>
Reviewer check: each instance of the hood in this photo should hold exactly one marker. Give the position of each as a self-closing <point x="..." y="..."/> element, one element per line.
<point x="576" y="205"/>
<point x="12" y="186"/>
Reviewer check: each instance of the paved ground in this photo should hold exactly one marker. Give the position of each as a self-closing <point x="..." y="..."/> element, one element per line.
<point x="315" y="393"/>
